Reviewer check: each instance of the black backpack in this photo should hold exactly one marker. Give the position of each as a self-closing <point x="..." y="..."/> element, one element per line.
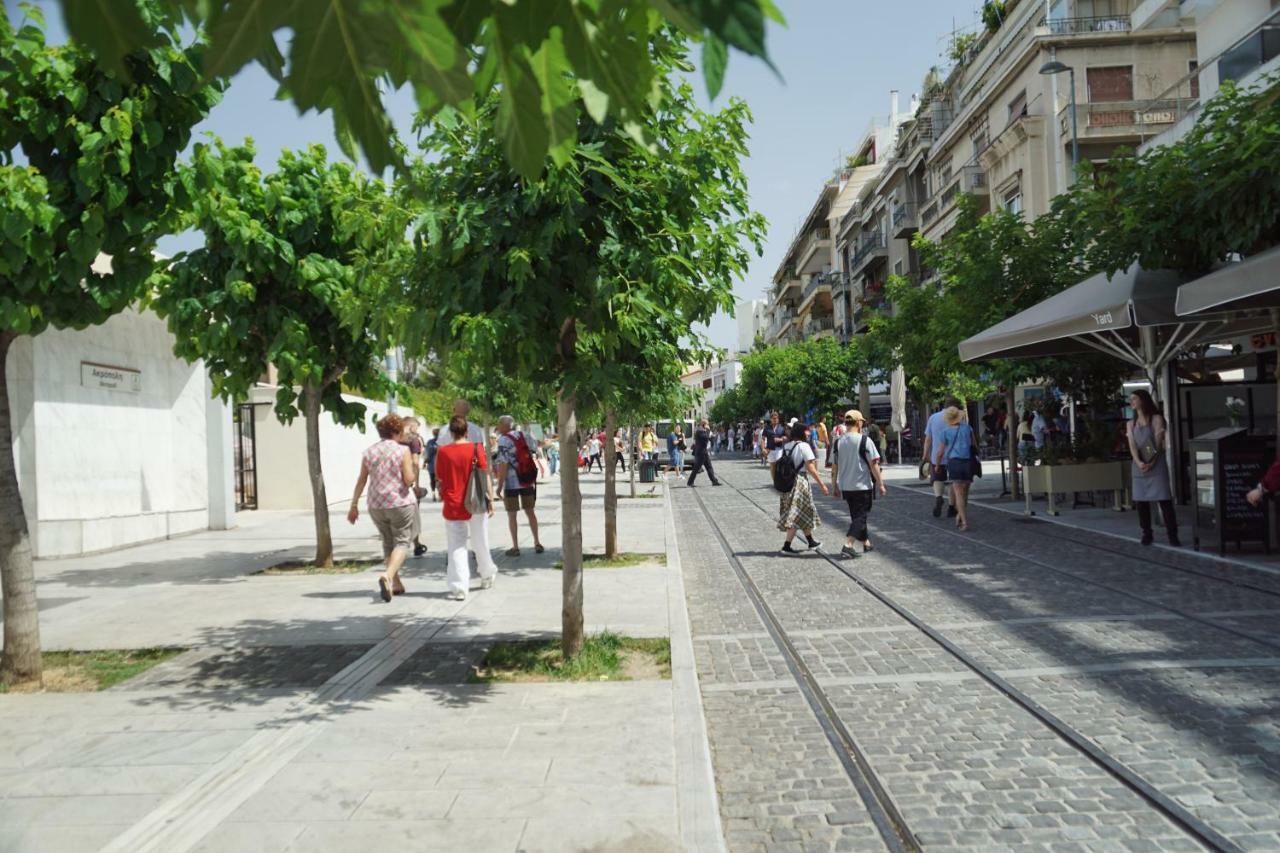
<point x="784" y="470"/>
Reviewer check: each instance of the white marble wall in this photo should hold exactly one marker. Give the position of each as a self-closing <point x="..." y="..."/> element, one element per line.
<point x="101" y="468"/>
<point x="283" y="480"/>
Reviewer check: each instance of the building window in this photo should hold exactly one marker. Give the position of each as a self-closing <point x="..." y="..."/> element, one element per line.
<point x="706" y="383"/>
<point x="1194" y="68"/>
<point x="1112" y="83"/>
<point x="1018" y="107"/>
<point x="1013" y="201"/>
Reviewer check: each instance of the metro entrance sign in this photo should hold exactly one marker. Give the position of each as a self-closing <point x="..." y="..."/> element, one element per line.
<point x="110" y="377"/>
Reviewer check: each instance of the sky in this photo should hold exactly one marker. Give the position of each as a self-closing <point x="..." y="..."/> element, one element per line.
<point x="837" y="62"/>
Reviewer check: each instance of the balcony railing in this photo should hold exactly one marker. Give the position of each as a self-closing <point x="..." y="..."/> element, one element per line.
<point x="904" y="217"/>
<point x="870" y="243"/>
<point x="1079" y="26"/>
<point x="973" y="179"/>
<point x="819" y="324"/>
<point x="817" y="281"/>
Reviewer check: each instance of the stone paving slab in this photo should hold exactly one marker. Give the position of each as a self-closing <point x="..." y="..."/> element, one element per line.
<point x="311" y="716"/>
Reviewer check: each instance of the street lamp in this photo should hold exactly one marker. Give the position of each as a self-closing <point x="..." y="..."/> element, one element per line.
<point x="1053" y="66"/>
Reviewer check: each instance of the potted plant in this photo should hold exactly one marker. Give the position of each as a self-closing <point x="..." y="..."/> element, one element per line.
<point x="1085" y="465"/>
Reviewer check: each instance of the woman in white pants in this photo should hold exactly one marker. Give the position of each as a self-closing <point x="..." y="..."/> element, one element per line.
<point x="454" y="463"/>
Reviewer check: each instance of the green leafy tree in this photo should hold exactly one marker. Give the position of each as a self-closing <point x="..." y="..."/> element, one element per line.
<point x="344" y="54"/>
<point x="798" y="377"/>
<point x="99" y="151"/>
<point x="560" y="282"/>
<point x="1188" y="205"/>
<point x="284" y="258"/>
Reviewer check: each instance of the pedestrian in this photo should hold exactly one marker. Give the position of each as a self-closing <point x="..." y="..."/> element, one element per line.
<point x="433" y="448"/>
<point x="823" y="436"/>
<point x="1026" y="438"/>
<point x="387" y="468"/>
<point x="774" y="437"/>
<point x="856" y="479"/>
<point x="675" y="451"/>
<point x="933" y="429"/>
<point x="475" y="435"/>
<point x="796" y="510"/>
<point x="955" y="453"/>
<point x="837" y="430"/>
<point x="1147" y="435"/>
<point x="619" y="451"/>
<point x="591" y="450"/>
<point x="411" y="440"/>
<point x="551" y="446"/>
<point x="454" y="465"/>
<point x="517" y="477"/>
<point x="701" y="454"/>
<point x="648" y="443"/>
<point x="733" y="437"/>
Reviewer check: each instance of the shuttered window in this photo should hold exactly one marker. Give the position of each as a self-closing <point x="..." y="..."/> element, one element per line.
<point x="1018" y="107"/>
<point x="1114" y="83"/>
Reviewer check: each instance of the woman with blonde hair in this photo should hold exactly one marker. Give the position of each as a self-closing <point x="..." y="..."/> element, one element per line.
<point x="387" y="467"/>
<point x="956" y="449"/>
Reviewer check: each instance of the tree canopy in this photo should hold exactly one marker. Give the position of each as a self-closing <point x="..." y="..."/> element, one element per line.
<point x="343" y="55"/>
<point x="601" y="266"/>
<point x="98" y="178"/>
<point x="285" y="257"/>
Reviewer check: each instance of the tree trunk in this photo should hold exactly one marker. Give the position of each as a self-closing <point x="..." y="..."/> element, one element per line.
<point x="1011" y="419"/>
<point x="610" y="486"/>
<point x="634" y="458"/>
<point x="21" y="659"/>
<point x="864" y="399"/>
<point x="320" y="501"/>
<point x="570" y="528"/>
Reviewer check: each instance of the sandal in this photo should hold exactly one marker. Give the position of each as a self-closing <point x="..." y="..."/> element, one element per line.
<point x="962" y="527"/>
<point x="538" y="549"/>
<point x="384" y="588"/>
<point x="513" y="552"/>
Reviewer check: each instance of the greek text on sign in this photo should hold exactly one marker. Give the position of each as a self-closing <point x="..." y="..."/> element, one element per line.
<point x="110" y="378"/>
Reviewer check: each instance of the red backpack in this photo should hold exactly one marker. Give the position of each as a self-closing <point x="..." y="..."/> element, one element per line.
<point x="526" y="468"/>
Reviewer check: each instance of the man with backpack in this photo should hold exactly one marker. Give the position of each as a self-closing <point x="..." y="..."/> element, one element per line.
<point x="855" y="476"/>
<point x="517" y="474"/>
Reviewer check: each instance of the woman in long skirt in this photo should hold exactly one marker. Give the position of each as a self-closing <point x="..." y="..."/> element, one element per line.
<point x="796" y="510"/>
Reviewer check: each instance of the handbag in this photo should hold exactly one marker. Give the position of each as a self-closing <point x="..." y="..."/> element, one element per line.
<point x="477" y="497"/>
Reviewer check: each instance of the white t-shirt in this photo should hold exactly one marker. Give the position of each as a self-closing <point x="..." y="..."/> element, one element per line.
<point x="801" y="454"/>
<point x="475" y="435"/>
<point x="853" y="474"/>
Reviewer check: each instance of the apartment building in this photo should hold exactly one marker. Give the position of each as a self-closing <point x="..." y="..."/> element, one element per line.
<point x="1236" y="40"/>
<point x="813" y="294"/>
<point x="1014" y="130"/>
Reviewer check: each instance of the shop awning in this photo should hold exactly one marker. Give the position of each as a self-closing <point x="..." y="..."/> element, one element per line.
<point x="1250" y="284"/>
<point x="1129" y="316"/>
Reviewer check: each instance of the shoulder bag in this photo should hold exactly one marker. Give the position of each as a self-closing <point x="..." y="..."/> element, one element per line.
<point x="477" y="497"/>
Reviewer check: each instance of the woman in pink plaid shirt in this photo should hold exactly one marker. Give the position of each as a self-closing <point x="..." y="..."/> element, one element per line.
<point x="387" y="468"/>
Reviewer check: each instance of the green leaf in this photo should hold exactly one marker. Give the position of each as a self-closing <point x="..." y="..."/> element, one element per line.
<point x="110" y="28"/>
<point x="551" y="68"/>
<point x="715" y="56"/>
<point x="243" y="31"/>
<point x="524" y="133"/>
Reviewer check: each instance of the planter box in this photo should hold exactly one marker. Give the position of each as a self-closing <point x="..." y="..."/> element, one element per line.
<point x="1086" y="477"/>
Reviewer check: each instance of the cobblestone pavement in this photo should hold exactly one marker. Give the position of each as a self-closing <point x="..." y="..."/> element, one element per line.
<point x="1175" y="675"/>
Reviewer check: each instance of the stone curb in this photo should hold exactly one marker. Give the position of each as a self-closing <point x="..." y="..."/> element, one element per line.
<point x="697" y="803"/>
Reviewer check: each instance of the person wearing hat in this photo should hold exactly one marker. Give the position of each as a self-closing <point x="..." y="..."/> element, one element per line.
<point x="855" y="476"/>
<point x="955" y="451"/>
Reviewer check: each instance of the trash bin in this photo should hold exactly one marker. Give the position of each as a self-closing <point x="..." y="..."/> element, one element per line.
<point x="648" y="471"/>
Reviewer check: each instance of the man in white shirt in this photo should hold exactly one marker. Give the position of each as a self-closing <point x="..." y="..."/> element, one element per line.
<point x="475" y="435"/>
<point x="855" y="475"/>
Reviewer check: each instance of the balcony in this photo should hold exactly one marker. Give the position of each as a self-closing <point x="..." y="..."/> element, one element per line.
<point x="872" y="246"/>
<point x="788" y="289"/>
<point x="820" y="283"/>
<point x="973" y="180"/>
<point x="816" y="252"/>
<point x="906" y="220"/>
<point x="1084" y="26"/>
<point x="818" y="327"/>
<point x="1125" y="119"/>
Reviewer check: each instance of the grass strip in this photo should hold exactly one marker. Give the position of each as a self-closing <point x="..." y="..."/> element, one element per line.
<point x="622" y="561"/>
<point x="87" y="672"/>
<point x="305" y="567"/>
<point x="605" y="657"/>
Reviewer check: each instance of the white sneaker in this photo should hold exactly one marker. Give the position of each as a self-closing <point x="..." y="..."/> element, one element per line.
<point x="458" y="595"/>
<point x="486" y="583"/>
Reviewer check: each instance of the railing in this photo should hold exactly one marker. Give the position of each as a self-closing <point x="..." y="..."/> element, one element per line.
<point x="930" y="212"/>
<point x="815" y="238"/>
<point x="1078" y="26"/>
<point x="812" y="287"/>
<point x="904" y="214"/>
<point x="819" y="324"/>
<point x="870" y="243"/>
<point x="973" y="178"/>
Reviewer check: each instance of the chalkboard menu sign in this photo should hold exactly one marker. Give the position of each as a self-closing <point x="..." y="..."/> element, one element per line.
<point x="1228" y="463"/>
